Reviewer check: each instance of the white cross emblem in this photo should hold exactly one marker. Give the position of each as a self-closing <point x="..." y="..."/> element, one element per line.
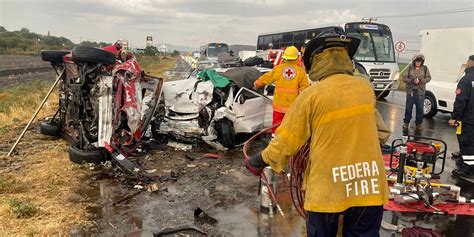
<point x="289" y="73"/>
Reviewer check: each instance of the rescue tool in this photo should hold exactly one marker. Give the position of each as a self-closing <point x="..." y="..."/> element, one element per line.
<point x="414" y="160"/>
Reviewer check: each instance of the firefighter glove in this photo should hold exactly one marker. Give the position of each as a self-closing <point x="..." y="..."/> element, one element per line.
<point x="255" y="164"/>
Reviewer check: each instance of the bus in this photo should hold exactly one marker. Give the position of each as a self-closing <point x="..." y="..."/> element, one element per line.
<point x="376" y="52"/>
<point x="209" y="54"/>
<point x="212" y="50"/>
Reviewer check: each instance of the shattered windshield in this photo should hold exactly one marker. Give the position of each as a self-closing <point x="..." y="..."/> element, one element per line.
<point x="215" y="49"/>
<point x="374" y="46"/>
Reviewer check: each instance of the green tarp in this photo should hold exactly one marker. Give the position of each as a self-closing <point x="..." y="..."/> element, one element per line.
<point x="216" y="79"/>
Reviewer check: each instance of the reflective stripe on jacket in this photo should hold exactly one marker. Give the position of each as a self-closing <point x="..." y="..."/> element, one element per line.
<point x="337" y="117"/>
<point x="290" y="79"/>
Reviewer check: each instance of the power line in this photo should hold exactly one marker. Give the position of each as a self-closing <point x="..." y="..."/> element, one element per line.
<point x="442" y="12"/>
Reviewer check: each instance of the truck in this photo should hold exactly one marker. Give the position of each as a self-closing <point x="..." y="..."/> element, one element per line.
<point x="446" y="52"/>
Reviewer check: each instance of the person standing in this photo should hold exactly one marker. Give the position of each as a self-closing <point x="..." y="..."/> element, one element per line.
<point x="345" y="174"/>
<point x="463" y="117"/>
<point x="415" y="79"/>
<point x="289" y="78"/>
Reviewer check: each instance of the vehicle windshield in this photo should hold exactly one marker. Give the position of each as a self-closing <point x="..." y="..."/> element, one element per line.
<point x="215" y="49"/>
<point x="375" y="46"/>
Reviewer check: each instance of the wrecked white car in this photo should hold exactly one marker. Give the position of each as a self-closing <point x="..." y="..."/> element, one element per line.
<point x="194" y="109"/>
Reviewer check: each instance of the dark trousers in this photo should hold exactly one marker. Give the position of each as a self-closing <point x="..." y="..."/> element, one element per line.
<point x="358" y="222"/>
<point x="414" y="100"/>
<point x="466" y="148"/>
<point x="466" y="139"/>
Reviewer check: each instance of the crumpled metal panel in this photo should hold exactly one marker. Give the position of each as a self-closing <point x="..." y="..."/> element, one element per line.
<point x="181" y="127"/>
<point x="185" y="96"/>
<point x="105" y="110"/>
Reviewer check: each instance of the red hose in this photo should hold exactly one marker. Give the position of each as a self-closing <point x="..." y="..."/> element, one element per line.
<point x="297" y="165"/>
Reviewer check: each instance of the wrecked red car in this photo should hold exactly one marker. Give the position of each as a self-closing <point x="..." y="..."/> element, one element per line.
<point x="106" y="102"/>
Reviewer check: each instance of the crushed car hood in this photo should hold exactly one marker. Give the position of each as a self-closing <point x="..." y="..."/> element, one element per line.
<point x="187" y="96"/>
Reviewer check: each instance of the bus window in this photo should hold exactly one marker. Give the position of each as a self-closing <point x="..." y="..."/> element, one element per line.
<point x="267" y="40"/>
<point x="287" y="38"/>
<point x="213" y="50"/>
<point x="376" y="42"/>
<point x="365" y="52"/>
<point x="277" y="41"/>
<point x="260" y="45"/>
<point x="300" y="36"/>
<point x="384" y="48"/>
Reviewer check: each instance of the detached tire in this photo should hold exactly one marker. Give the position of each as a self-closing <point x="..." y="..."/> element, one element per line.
<point x="81" y="156"/>
<point x="81" y="54"/>
<point x="226" y="133"/>
<point x="50" y="128"/>
<point x="430" y="108"/>
<point x="53" y="56"/>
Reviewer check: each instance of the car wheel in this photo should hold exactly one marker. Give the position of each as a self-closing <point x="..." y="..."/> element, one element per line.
<point x="382" y="94"/>
<point x="50" y="128"/>
<point x="226" y="133"/>
<point x="80" y="156"/>
<point x="429" y="106"/>
<point x="53" y="56"/>
<point x="82" y="54"/>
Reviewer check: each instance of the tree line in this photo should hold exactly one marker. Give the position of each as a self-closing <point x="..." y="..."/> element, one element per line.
<point x="25" y="42"/>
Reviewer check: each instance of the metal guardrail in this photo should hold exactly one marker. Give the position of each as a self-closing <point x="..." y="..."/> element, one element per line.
<point x="191" y="61"/>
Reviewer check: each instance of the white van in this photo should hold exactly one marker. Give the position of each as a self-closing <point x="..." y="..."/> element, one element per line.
<point x="446" y="52"/>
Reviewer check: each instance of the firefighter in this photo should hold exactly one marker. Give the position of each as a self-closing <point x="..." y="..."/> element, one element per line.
<point x="345" y="173"/>
<point x="289" y="78"/>
<point x="463" y="117"/>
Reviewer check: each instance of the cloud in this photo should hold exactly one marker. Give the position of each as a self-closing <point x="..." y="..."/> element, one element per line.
<point x="193" y="22"/>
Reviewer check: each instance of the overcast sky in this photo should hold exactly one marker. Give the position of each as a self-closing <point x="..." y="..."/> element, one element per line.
<point x="193" y="23"/>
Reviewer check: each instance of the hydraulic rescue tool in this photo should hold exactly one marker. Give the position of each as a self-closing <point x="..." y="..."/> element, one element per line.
<point x="415" y="160"/>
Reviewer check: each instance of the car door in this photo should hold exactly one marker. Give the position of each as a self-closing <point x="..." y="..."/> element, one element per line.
<point x="250" y="112"/>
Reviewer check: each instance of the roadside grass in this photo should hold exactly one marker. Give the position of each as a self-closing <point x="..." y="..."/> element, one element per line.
<point x="41" y="191"/>
<point x="22" y="209"/>
<point x="17" y="104"/>
<point x="156" y="65"/>
<point x="36" y="185"/>
<point x="10" y="184"/>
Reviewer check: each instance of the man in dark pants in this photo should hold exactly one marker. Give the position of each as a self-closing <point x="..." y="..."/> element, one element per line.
<point x="463" y="116"/>
<point x="415" y="79"/>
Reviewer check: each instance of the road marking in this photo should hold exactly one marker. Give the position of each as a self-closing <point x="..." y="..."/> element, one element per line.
<point x="399" y="106"/>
